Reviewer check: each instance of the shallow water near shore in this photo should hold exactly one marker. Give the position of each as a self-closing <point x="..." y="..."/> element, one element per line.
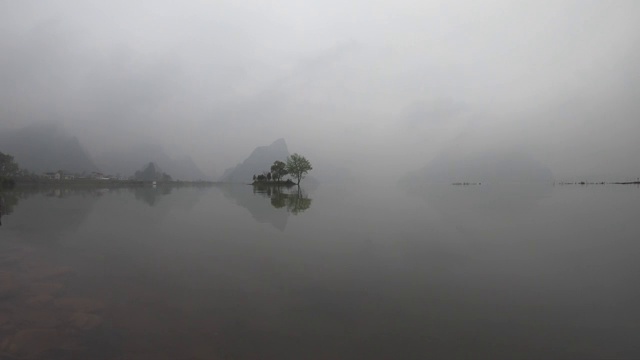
<point x="376" y="272"/>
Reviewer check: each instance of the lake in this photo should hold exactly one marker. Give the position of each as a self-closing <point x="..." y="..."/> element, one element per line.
<point x="336" y="272"/>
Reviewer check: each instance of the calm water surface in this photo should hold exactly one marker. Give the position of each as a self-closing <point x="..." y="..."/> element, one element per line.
<point x="229" y="272"/>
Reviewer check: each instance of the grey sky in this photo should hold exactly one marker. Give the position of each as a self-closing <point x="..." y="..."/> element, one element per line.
<point x="378" y="85"/>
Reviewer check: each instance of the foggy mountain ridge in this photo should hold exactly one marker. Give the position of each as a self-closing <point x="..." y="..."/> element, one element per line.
<point x="49" y="147"/>
<point x="504" y="166"/>
<point x="150" y="172"/>
<point x="260" y="160"/>
<point x="46" y="148"/>
<point x="262" y="157"/>
<point x="128" y="162"/>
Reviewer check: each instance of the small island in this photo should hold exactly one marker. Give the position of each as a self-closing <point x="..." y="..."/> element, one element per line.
<point x="465" y="183"/>
<point x="296" y="166"/>
<point x="264" y="182"/>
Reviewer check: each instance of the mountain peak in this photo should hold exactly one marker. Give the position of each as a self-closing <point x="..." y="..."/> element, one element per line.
<point x="259" y="161"/>
<point x="46" y="147"/>
<point x="279" y="142"/>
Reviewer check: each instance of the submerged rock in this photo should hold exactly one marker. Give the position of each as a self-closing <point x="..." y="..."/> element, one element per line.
<point x="49" y="272"/>
<point x="79" y="304"/>
<point x="39" y="300"/>
<point x="5" y="319"/>
<point x="41" y="317"/>
<point x="8" y="285"/>
<point x="31" y="343"/>
<point x="45" y="288"/>
<point x="85" y="321"/>
<point x="8" y="260"/>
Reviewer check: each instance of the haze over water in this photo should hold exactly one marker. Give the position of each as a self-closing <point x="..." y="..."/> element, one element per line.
<point x="376" y="272"/>
<point x="382" y="97"/>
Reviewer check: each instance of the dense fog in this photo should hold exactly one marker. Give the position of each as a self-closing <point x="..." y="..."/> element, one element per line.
<point x="376" y="88"/>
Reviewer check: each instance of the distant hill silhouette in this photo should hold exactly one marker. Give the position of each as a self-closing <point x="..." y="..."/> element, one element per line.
<point x="151" y="172"/>
<point x="46" y="147"/>
<point x="260" y="160"/>
<point x="128" y="162"/>
<point x="488" y="166"/>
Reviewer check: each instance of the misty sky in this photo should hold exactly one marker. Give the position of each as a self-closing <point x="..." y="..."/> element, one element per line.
<point x="380" y="86"/>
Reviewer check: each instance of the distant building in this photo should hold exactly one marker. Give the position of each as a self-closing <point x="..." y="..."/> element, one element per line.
<point x="58" y="175"/>
<point x="52" y="175"/>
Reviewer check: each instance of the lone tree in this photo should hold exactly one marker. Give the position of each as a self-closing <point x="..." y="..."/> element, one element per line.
<point x="278" y="170"/>
<point x="298" y="166"/>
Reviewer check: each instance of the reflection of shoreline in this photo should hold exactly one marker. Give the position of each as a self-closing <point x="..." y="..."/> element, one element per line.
<point x="101" y="184"/>
<point x="143" y="191"/>
<point x="31" y="211"/>
<point x="13" y="197"/>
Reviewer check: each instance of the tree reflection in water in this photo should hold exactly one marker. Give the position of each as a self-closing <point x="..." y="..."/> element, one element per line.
<point x="8" y="201"/>
<point x="294" y="199"/>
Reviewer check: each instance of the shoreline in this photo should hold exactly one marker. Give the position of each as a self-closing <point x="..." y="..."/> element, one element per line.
<point x="101" y="184"/>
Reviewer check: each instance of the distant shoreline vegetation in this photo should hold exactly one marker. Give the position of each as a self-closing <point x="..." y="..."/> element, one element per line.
<point x="12" y="176"/>
<point x="637" y="182"/>
<point x="92" y="183"/>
